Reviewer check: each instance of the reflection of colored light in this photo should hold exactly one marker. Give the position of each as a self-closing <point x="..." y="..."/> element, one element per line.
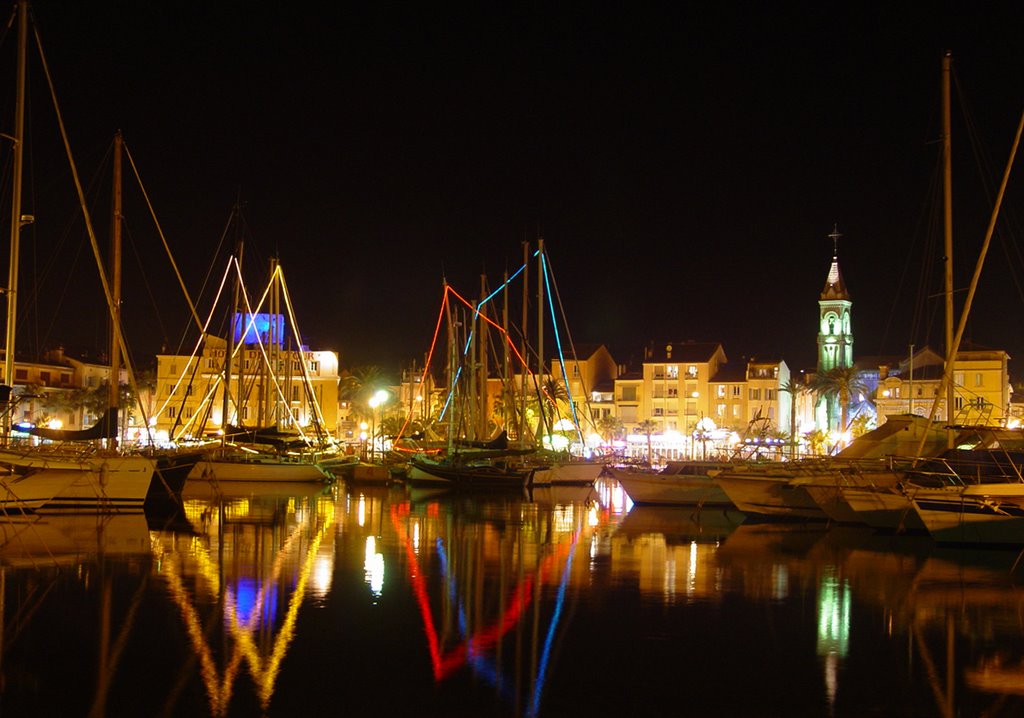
<point x="446" y="664"/>
<point x="247" y="598"/>
<point x="545" y="655"/>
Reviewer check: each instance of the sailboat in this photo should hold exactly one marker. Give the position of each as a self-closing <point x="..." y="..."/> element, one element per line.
<point x="502" y="461"/>
<point x="65" y="477"/>
<point x="268" y="453"/>
<point x="886" y="495"/>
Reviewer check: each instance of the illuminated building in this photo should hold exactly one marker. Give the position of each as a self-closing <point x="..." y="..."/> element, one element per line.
<point x="282" y="386"/>
<point x="981" y="386"/>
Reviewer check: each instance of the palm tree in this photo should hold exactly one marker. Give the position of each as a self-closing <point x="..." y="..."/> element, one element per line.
<point x="610" y="427"/>
<point x="358" y="385"/>
<point x="842" y="382"/>
<point x="795" y="389"/>
<point x="648" y="427"/>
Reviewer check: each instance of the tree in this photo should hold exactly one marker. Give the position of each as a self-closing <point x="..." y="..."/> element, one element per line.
<point x="648" y="427"/>
<point x="358" y="385"/>
<point x="795" y="389"/>
<point x="841" y="382"/>
<point x="610" y="427"/>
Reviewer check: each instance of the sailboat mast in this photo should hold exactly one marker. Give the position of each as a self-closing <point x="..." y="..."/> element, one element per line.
<point x="16" y="218"/>
<point x="947" y="220"/>
<point x="113" y="398"/>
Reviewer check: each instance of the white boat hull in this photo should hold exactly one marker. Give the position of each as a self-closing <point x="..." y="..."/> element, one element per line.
<point x="671" y="489"/>
<point x="107" y="485"/>
<point x="769" y="495"/>
<point x="256" y="470"/>
<point x="578" y="473"/>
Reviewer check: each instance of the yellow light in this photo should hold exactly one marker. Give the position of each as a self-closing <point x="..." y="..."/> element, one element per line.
<point x="885" y="393"/>
<point x="695" y="394"/>
<point x="55" y="424"/>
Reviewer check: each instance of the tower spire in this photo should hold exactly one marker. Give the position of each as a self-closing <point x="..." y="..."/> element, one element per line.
<point x="835" y="235"/>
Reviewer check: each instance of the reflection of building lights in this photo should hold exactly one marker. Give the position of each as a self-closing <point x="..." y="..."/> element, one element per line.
<point x="361" y="511"/>
<point x="780" y="582"/>
<point x="833" y="615"/>
<point x="321" y="576"/>
<point x="416" y="536"/>
<point x="691" y="574"/>
<point x="373" y="566"/>
<point x="592" y="518"/>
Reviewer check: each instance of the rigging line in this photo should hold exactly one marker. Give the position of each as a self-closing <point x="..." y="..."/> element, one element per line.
<point x="549" y="283"/>
<point x="163" y="239"/>
<point x="430" y="355"/>
<point x="195" y="352"/>
<point x="263" y="351"/>
<point x="50" y="266"/>
<point x="951" y="352"/>
<point x="572" y="344"/>
<point x="85" y="213"/>
<point x="321" y="423"/>
<point x="145" y="280"/>
<point x="558" y="344"/>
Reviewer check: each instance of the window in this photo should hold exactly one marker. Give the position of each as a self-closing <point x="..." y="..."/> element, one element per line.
<point x="187" y="412"/>
<point x="754" y="395"/>
<point x="172" y="412"/>
<point x="21" y="374"/>
<point x="211" y="363"/>
<point x="628" y="393"/>
<point x="575" y="370"/>
<point x="245" y="413"/>
<point x="65" y="378"/>
<point x="314" y="366"/>
<point x="958" y="402"/>
<point x="169" y="389"/>
<point x="658" y="411"/>
<point x="44" y="377"/>
<point x="691" y="371"/>
<point x="979" y="402"/>
<point x="769" y="394"/>
<point x="720" y="391"/>
<point x="673" y="391"/>
<point x="672" y="371"/>
<point x="295" y="393"/>
<point x="958" y="378"/>
<point x="736" y="392"/>
<point x="720" y="410"/>
<point x="735" y="411"/>
<point x="978" y="379"/>
<point x="691" y="407"/>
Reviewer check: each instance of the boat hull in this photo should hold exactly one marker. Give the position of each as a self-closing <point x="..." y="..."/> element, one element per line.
<point x="108" y="485"/>
<point x="467" y="477"/>
<point x="769" y="495"/>
<point x="671" y="489"/>
<point x="576" y="473"/>
<point x="257" y="470"/>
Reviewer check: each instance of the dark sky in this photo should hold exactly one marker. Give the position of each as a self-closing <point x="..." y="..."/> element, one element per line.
<point x="684" y="163"/>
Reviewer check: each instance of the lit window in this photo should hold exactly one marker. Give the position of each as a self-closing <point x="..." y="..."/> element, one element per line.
<point x="978" y="379"/>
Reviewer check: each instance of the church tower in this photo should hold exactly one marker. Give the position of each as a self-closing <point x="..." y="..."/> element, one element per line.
<point x="835" y="338"/>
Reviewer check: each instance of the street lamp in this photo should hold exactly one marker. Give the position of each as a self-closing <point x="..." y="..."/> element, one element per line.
<point x="376" y="400"/>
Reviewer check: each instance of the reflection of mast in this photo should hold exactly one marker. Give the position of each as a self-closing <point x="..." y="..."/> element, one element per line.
<point x="263" y="665"/>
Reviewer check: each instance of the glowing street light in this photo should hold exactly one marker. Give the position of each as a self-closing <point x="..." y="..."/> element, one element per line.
<point x="376" y="400"/>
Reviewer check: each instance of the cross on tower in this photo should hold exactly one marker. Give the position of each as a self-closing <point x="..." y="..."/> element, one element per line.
<point x="835" y="235"/>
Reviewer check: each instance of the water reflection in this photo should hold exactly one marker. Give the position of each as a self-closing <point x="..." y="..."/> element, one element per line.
<point x="239" y="579"/>
<point x="373" y="600"/>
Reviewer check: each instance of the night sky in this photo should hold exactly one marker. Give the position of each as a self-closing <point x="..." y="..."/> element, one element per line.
<point x="685" y="165"/>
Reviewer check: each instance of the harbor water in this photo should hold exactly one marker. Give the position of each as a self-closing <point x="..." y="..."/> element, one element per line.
<point x="350" y="600"/>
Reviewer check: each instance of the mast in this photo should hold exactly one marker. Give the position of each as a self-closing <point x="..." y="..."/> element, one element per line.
<point x="482" y="332"/>
<point x="17" y="221"/>
<point x="113" y="395"/>
<point x="232" y="318"/>
<point x="947" y="221"/>
<point x="540" y="340"/>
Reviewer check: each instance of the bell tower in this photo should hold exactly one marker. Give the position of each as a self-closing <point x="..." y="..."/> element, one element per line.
<point x="835" y="337"/>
